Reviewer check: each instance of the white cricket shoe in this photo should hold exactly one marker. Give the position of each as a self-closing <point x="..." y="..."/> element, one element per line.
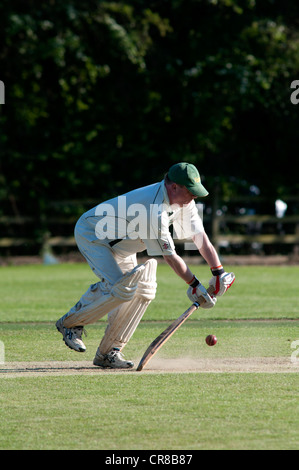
<point x="72" y="336"/>
<point x="113" y="360"/>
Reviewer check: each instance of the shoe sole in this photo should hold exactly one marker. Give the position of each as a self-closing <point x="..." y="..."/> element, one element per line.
<point x="64" y="340"/>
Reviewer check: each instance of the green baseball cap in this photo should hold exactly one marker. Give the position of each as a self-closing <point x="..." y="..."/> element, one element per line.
<point x="187" y="175"/>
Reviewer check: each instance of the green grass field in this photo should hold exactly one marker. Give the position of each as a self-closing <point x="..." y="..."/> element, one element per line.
<point x="240" y="394"/>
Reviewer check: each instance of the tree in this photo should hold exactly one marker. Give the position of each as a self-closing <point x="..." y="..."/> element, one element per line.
<point x="102" y="96"/>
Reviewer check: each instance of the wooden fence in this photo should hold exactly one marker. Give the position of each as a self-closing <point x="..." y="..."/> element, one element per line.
<point x="256" y="231"/>
<point x="27" y="235"/>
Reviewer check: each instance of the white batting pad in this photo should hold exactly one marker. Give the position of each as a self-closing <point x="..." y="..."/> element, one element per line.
<point x="123" y="321"/>
<point x="95" y="303"/>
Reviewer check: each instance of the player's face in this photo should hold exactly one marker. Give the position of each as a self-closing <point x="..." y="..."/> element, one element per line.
<point x="180" y="195"/>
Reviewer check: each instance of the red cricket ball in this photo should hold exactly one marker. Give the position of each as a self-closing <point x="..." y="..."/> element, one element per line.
<point x="211" y="340"/>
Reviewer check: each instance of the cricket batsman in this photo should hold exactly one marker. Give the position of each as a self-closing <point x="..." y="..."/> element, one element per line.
<point x="110" y="235"/>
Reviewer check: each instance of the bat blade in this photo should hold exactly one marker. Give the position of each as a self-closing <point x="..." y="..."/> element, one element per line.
<point x="168" y="332"/>
<point x="164" y="336"/>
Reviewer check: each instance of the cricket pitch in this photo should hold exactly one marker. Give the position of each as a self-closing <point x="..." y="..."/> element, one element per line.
<point x="156" y="366"/>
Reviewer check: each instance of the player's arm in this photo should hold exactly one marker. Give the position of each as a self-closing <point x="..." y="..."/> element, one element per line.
<point x="221" y="280"/>
<point x="207" y="250"/>
<point x="179" y="266"/>
<point x="196" y="289"/>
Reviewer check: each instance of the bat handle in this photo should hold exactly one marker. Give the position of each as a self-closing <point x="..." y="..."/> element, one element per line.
<point x="210" y="291"/>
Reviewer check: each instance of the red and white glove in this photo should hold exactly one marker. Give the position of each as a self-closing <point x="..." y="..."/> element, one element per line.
<point x="221" y="280"/>
<point x="197" y="290"/>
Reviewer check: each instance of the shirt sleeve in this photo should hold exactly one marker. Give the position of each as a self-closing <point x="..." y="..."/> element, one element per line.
<point x="160" y="241"/>
<point x="188" y="223"/>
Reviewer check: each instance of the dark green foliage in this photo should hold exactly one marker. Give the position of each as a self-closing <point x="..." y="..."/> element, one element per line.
<point x="102" y="97"/>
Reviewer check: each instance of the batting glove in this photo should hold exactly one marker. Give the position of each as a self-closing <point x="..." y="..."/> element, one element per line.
<point x="197" y="290"/>
<point x="221" y="280"/>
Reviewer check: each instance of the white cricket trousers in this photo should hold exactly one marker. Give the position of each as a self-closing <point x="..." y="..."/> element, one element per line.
<point x="109" y="266"/>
